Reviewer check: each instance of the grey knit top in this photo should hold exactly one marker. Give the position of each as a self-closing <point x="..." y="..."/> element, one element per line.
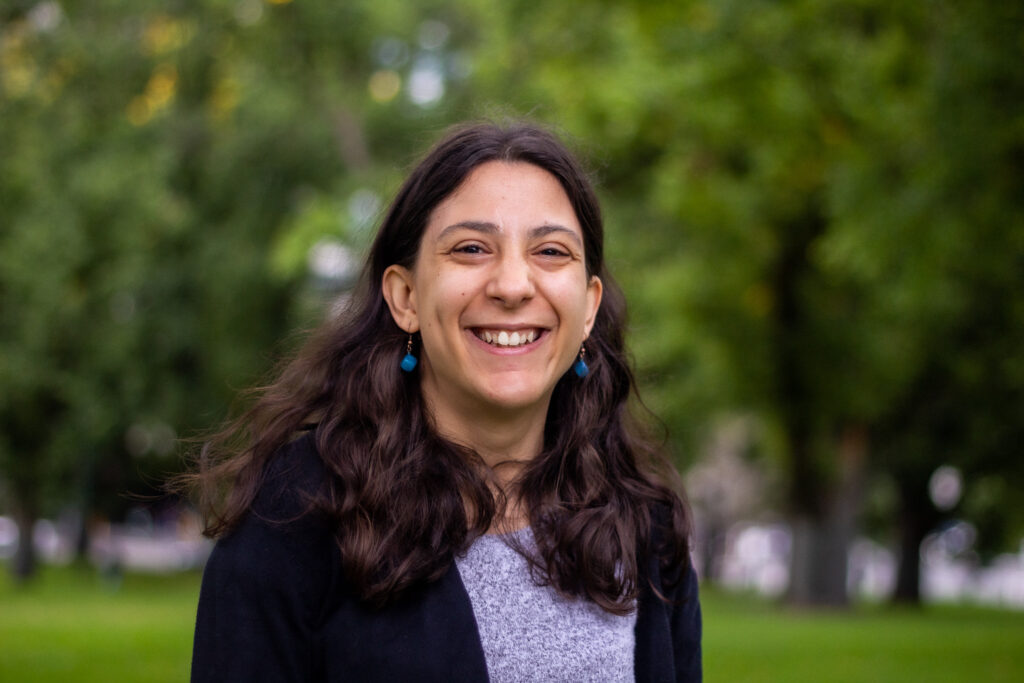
<point x="530" y="632"/>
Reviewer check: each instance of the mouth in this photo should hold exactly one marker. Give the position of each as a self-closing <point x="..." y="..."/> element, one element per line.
<point x="507" y="339"/>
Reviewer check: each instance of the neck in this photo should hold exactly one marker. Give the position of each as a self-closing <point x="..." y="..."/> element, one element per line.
<point x="506" y="440"/>
<point x="505" y="443"/>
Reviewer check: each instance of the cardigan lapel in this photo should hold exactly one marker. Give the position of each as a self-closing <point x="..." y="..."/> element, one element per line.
<point x="431" y="635"/>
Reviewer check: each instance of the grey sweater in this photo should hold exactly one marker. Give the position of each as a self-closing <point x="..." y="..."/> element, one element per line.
<point x="530" y="632"/>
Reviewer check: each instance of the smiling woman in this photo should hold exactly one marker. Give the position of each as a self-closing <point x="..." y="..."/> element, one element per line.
<point x="503" y="302"/>
<point x="485" y="513"/>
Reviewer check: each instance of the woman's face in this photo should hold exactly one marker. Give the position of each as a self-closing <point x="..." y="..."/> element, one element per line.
<point x="499" y="293"/>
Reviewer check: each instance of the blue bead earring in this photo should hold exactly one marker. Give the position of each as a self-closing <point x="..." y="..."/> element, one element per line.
<point x="580" y="366"/>
<point x="409" y="360"/>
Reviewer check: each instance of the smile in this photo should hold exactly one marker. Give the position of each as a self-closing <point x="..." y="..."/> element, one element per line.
<point x="506" y="339"/>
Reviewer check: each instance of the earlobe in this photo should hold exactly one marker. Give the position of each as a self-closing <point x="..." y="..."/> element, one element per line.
<point x="594" y="291"/>
<point x="400" y="295"/>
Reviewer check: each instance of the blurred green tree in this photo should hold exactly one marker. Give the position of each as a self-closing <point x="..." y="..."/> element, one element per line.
<point x="783" y="183"/>
<point x="965" y="407"/>
<point x="161" y="169"/>
<point x="815" y="209"/>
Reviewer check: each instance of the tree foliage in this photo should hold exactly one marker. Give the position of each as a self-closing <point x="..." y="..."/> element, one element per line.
<point x="815" y="209"/>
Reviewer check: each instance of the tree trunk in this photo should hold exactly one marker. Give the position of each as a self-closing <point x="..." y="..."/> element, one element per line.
<point x="713" y="549"/>
<point x="24" y="563"/>
<point x="917" y="517"/>
<point x="818" y="501"/>
<point x="817" y="565"/>
<point x="818" y="562"/>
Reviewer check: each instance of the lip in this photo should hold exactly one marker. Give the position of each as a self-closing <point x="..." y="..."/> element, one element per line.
<point x="542" y="334"/>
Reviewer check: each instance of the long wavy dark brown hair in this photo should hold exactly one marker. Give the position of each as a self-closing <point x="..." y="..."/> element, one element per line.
<point x="402" y="499"/>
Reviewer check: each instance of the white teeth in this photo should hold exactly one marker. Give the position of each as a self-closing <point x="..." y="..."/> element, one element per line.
<point x="505" y="338"/>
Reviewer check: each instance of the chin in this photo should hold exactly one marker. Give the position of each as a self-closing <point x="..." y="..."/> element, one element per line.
<point x="517" y="398"/>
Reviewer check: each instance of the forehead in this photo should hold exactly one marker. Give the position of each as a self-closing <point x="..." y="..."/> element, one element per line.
<point x="509" y="195"/>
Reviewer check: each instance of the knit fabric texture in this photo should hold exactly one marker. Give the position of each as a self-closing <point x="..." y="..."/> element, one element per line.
<point x="530" y="632"/>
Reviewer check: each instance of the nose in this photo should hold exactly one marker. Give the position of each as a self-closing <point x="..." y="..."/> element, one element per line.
<point x="511" y="281"/>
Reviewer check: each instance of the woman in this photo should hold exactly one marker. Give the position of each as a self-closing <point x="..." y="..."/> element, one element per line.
<point x="445" y="483"/>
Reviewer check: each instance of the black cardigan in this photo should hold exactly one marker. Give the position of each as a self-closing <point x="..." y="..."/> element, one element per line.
<point x="274" y="607"/>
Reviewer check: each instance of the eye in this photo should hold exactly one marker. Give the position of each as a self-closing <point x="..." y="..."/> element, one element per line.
<point x="468" y="249"/>
<point x="552" y="251"/>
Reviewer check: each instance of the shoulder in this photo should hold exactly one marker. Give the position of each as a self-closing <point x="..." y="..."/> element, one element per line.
<point x="282" y="547"/>
<point x="669" y="534"/>
<point x="669" y="619"/>
<point x="283" y="539"/>
<point x="271" y="581"/>
<point x="291" y="480"/>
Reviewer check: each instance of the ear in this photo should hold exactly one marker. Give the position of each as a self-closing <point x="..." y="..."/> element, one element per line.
<point x="594" y="291"/>
<point x="400" y="293"/>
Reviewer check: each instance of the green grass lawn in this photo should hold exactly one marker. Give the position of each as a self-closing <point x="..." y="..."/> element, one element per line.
<point x="70" y="625"/>
<point x="747" y="641"/>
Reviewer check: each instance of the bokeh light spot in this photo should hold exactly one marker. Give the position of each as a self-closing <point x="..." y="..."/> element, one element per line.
<point x="384" y="85"/>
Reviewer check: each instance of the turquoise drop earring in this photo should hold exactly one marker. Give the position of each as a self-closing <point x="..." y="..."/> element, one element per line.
<point x="409" y="360"/>
<point x="580" y="366"/>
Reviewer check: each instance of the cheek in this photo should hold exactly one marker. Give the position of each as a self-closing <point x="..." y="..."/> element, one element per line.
<point x="572" y="300"/>
<point x="450" y="292"/>
<point x="442" y="301"/>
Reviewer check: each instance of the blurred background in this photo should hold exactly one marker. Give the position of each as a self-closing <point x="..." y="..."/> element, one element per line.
<point x="816" y="210"/>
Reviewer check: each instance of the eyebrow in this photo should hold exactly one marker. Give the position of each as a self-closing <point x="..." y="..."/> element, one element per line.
<point x="491" y="229"/>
